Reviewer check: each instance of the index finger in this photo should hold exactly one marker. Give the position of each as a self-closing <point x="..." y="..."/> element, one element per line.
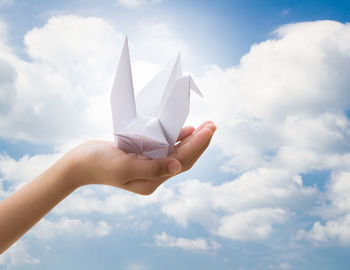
<point x="185" y="132"/>
<point x="195" y="145"/>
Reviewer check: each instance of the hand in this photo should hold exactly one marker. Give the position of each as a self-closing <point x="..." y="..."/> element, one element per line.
<point x="96" y="162"/>
<point x="100" y="162"/>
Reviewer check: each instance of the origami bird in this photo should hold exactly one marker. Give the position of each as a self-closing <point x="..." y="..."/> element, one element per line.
<point x="150" y="124"/>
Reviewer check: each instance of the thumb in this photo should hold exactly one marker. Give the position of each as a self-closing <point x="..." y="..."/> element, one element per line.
<point x="153" y="168"/>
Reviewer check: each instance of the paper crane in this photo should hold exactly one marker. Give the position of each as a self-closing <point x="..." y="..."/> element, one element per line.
<point x="151" y="125"/>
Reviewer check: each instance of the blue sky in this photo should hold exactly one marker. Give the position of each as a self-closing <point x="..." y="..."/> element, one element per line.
<point x="271" y="192"/>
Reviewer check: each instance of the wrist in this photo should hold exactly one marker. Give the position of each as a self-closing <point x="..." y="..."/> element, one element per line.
<point x="68" y="170"/>
<point x="78" y="164"/>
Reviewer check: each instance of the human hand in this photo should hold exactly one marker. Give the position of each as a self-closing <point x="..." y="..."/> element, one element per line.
<point x="100" y="162"/>
<point x="96" y="162"/>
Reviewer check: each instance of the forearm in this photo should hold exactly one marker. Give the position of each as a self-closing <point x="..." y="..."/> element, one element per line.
<point x="23" y="209"/>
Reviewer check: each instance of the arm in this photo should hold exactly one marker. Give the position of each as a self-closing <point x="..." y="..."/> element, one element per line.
<point x="96" y="162"/>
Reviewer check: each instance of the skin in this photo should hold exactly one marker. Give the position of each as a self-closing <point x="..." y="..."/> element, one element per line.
<point x="97" y="162"/>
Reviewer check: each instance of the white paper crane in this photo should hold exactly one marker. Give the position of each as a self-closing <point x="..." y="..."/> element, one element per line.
<point x="151" y="125"/>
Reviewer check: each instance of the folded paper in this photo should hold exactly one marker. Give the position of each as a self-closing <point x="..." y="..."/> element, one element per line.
<point x="151" y="123"/>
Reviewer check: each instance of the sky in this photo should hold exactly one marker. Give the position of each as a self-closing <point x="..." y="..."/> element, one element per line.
<point x="273" y="189"/>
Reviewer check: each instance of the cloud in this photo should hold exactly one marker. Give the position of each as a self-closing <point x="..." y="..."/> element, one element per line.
<point x="335" y="226"/>
<point x="250" y="225"/>
<point x="21" y="171"/>
<point x="337" y="229"/>
<point x="110" y="202"/>
<point x="281" y="266"/>
<point x="159" y="42"/>
<point x="47" y="229"/>
<point x="339" y="190"/>
<point x="72" y="63"/>
<point x="288" y="94"/>
<point x="136" y="266"/>
<point x="64" y="86"/>
<point x="285" y="12"/>
<point x="198" y="244"/>
<point x="7" y="78"/>
<point x="17" y="254"/>
<point x="5" y="2"/>
<point x="283" y="109"/>
<point x="136" y="3"/>
<point x="245" y="208"/>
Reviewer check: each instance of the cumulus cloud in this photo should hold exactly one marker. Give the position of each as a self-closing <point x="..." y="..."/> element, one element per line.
<point x="287" y="98"/>
<point x="284" y="108"/>
<point x="281" y="113"/>
<point x="72" y="62"/>
<point x="119" y="202"/>
<point x="7" y="94"/>
<point x="47" y="229"/>
<point x="17" y="254"/>
<point x="136" y="3"/>
<point x="250" y="225"/>
<point x="136" y="266"/>
<point x="5" y="2"/>
<point x="335" y="226"/>
<point x="198" y="244"/>
<point x="19" y="172"/>
<point x="333" y="230"/>
<point x="60" y="93"/>
<point x="245" y="208"/>
<point x="159" y="35"/>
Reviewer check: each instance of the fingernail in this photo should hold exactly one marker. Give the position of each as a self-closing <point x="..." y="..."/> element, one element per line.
<point x="212" y="127"/>
<point x="174" y="166"/>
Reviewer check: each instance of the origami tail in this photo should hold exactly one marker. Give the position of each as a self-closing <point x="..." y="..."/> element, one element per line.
<point x="122" y="97"/>
<point x="176" y="108"/>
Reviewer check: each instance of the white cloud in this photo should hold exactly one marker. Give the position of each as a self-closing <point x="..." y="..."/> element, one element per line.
<point x="285" y="12"/>
<point x="336" y="215"/>
<point x="24" y="169"/>
<point x="134" y="226"/>
<point x="158" y="43"/>
<point x="252" y="224"/>
<point x="61" y="93"/>
<point x="281" y="266"/>
<point x="73" y="61"/>
<point x="337" y="229"/>
<point x="136" y="3"/>
<point x="287" y="93"/>
<point x="339" y="191"/>
<point x="16" y="255"/>
<point x="136" y="266"/>
<point x="7" y="78"/>
<point x="245" y="208"/>
<point x="47" y="229"/>
<point x="5" y="2"/>
<point x="198" y="244"/>
<point x="116" y="202"/>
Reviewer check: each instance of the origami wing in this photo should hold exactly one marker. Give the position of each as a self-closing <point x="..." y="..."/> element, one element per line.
<point x="175" y="109"/>
<point x="156" y="91"/>
<point x="122" y="97"/>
